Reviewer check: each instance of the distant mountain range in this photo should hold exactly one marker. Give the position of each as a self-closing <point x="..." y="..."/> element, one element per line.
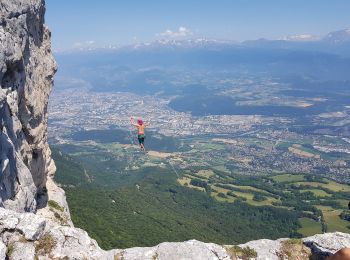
<point x="337" y="42"/>
<point x="338" y="37"/>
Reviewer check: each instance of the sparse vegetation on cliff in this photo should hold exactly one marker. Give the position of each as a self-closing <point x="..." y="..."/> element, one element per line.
<point x="294" y="249"/>
<point x="45" y="245"/>
<point x="55" y="205"/>
<point x="245" y="253"/>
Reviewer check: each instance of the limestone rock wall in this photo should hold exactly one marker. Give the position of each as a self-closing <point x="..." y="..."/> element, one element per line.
<point x="27" y="68"/>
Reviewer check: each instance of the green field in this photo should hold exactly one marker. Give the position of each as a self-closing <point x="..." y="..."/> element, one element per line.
<point x="251" y="201"/>
<point x="317" y="192"/>
<point x="332" y="185"/>
<point x="309" y="227"/>
<point x="221" y="168"/>
<point x="288" y="178"/>
<point x="205" y="173"/>
<point x="250" y="188"/>
<point x="337" y="186"/>
<point x="309" y="150"/>
<point x="334" y="223"/>
<point x="210" y="146"/>
<point x="185" y="181"/>
<point x="228" y="199"/>
<point x="343" y="203"/>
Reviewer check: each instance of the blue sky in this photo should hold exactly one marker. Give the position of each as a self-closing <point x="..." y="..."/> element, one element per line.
<point x="77" y="23"/>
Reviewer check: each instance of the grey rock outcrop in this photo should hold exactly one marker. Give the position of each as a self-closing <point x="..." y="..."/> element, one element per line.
<point x="265" y="248"/>
<point x="191" y="249"/>
<point x="29" y="236"/>
<point x="328" y="243"/>
<point x="3" y="250"/>
<point x="27" y="68"/>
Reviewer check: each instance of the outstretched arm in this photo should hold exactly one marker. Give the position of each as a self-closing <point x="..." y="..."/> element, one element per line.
<point x="133" y="122"/>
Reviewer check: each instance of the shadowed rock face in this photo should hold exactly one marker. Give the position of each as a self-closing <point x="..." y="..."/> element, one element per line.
<point x="26" y="74"/>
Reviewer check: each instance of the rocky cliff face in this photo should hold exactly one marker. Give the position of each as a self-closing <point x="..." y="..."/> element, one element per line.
<point x="27" y="68"/>
<point x="26" y="168"/>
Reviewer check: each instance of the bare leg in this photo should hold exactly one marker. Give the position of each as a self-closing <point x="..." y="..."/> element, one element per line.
<point x="342" y="254"/>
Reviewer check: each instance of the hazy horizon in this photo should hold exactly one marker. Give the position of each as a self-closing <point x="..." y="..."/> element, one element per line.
<point x="89" y="23"/>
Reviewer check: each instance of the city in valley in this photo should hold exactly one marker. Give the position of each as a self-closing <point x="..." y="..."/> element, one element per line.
<point x="250" y="144"/>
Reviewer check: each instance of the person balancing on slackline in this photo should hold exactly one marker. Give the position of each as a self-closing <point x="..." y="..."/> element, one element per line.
<point x="140" y="131"/>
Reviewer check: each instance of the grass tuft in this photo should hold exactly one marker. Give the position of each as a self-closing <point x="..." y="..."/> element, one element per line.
<point x="294" y="249"/>
<point x="45" y="245"/>
<point x="10" y="250"/>
<point x="236" y="252"/>
<point x="55" y="205"/>
<point x="155" y="256"/>
<point x="119" y="256"/>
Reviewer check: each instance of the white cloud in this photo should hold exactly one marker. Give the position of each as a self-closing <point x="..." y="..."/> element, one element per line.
<point x="84" y="45"/>
<point x="300" y="37"/>
<point x="181" y="32"/>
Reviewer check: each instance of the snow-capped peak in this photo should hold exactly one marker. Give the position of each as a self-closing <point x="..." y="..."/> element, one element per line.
<point x="301" y="37"/>
<point x="338" y="36"/>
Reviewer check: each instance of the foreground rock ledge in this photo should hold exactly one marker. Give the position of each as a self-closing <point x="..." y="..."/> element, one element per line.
<point x="29" y="236"/>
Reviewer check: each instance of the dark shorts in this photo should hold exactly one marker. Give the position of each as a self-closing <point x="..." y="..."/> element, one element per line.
<point x="141" y="138"/>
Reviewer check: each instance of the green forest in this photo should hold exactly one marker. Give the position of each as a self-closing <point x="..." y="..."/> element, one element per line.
<point x="151" y="207"/>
